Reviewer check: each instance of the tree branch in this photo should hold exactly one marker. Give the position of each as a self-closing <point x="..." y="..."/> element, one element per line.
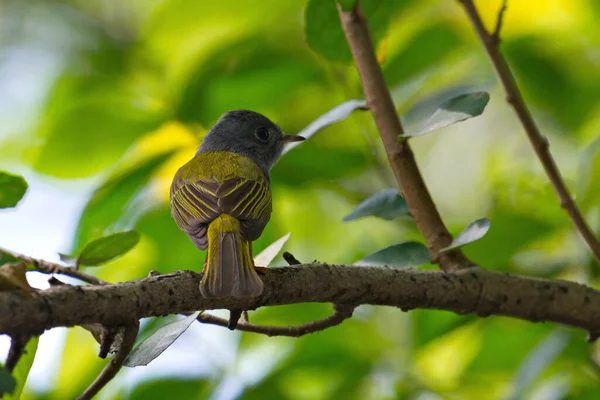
<point x="539" y="142"/>
<point x="17" y="346"/>
<point x="341" y="313"/>
<point x="499" y="20"/>
<point x="399" y="153"/>
<point x="53" y="268"/>
<point x="130" y="332"/>
<point x="472" y="290"/>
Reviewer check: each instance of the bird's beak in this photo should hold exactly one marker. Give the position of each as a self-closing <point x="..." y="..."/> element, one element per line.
<point x="292" y="138"/>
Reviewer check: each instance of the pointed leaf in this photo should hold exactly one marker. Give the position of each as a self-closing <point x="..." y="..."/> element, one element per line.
<point x="332" y="116"/>
<point x="474" y="231"/>
<point x="12" y="189"/>
<point x="456" y="109"/>
<point x="159" y="341"/>
<point x="387" y="204"/>
<point x="270" y="252"/>
<point x="12" y="277"/>
<point x="105" y="249"/>
<point x="21" y="370"/>
<point x="402" y="255"/>
<point x="67" y="258"/>
<point x="7" y="382"/>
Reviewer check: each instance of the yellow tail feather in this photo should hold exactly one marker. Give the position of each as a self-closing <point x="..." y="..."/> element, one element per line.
<point x="229" y="269"/>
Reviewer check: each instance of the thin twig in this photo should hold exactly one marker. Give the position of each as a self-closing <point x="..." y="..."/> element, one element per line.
<point x="47" y="267"/>
<point x="399" y="153"/>
<point x="115" y="364"/>
<point x="499" y="20"/>
<point x="17" y="346"/>
<point x="290" y="259"/>
<point x="539" y="142"/>
<point x="341" y="313"/>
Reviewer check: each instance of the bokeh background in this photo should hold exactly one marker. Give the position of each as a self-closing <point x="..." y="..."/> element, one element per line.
<point x="102" y="100"/>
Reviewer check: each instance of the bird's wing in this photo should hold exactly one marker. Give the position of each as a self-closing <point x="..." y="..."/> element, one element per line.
<point x="200" y="194"/>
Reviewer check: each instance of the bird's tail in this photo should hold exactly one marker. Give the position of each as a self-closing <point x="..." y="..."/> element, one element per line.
<point x="229" y="269"/>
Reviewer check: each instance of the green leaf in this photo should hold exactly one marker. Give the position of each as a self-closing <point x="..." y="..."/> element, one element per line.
<point x="474" y="231"/>
<point x="537" y="360"/>
<point x="402" y="255"/>
<point x="324" y="32"/>
<point x="109" y="132"/>
<point x="172" y="388"/>
<point x="347" y="5"/>
<point x="159" y="341"/>
<point x="109" y="204"/>
<point x="105" y="249"/>
<point x="588" y="173"/>
<point x="66" y="258"/>
<point x="7" y="258"/>
<point x="270" y="252"/>
<point x="21" y="371"/>
<point x="387" y="204"/>
<point x="332" y="116"/>
<point x="12" y="189"/>
<point x="424" y="52"/>
<point x="234" y="76"/>
<point x="456" y="109"/>
<point x="7" y="382"/>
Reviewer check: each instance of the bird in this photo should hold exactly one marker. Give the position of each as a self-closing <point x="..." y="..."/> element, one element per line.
<point x="221" y="199"/>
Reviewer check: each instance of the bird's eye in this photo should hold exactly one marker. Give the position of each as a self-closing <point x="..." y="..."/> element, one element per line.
<point x="262" y="133"/>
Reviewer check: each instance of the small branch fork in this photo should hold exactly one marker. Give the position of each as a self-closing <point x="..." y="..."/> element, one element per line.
<point x="47" y="267"/>
<point x="341" y="313"/>
<point x="129" y="335"/>
<point x="400" y="155"/>
<point x="539" y="142"/>
<point x="17" y="346"/>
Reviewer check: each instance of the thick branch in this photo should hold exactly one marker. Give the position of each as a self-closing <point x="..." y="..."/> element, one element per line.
<point x="341" y="313"/>
<point x="399" y="153"/>
<point x="472" y="290"/>
<point x="539" y="142"/>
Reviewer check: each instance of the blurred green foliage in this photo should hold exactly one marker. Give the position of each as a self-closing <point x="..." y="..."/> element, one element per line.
<point x="135" y="84"/>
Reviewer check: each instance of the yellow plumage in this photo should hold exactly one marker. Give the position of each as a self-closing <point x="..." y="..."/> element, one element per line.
<point x="222" y="201"/>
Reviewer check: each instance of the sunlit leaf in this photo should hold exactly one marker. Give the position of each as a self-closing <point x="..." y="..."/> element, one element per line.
<point x="332" y="116"/>
<point x="7" y="382"/>
<point x="12" y="189"/>
<point x="456" y="109"/>
<point x="537" y="360"/>
<point x="105" y="249"/>
<point x="12" y="277"/>
<point x="324" y="32"/>
<point x="387" y="204"/>
<point x="158" y="342"/>
<point x="21" y="370"/>
<point x="270" y="252"/>
<point x="474" y="231"/>
<point x="402" y="255"/>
